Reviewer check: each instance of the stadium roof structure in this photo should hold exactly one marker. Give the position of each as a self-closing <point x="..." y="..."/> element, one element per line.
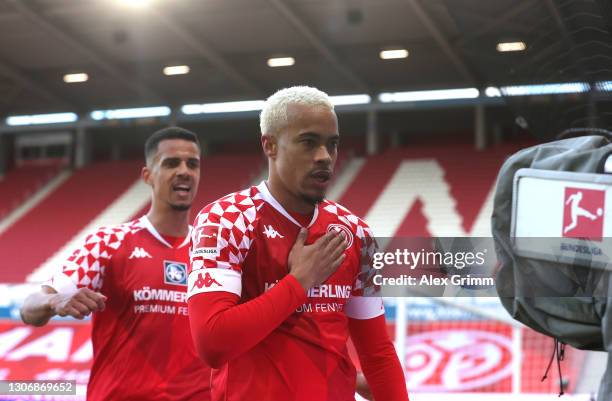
<point x="335" y="45"/>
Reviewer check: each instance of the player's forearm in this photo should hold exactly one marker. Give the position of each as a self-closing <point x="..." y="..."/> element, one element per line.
<point x="378" y="359"/>
<point x="216" y="317"/>
<point x="36" y="309"/>
<point x="384" y="375"/>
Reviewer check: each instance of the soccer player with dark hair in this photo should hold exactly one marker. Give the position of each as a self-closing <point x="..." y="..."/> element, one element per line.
<point x="280" y="276"/>
<point x="133" y="278"/>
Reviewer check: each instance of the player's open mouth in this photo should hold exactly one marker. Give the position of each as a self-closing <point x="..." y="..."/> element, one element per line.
<point x="183" y="189"/>
<point x="322" y="176"/>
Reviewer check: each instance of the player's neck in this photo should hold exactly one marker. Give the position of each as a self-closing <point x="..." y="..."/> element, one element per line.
<point x="288" y="200"/>
<point x="174" y="223"/>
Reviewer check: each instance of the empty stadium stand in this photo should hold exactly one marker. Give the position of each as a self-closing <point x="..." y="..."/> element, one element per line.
<point x="22" y="182"/>
<point x="57" y="218"/>
<point x="426" y="190"/>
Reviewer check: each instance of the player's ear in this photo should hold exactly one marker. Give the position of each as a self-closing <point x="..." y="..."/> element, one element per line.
<point x="269" y="145"/>
<point x="145" y="174"/>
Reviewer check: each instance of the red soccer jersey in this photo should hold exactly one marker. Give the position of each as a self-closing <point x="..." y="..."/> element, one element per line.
<point x="141" y="341"/>
<point x="240" y="244"/>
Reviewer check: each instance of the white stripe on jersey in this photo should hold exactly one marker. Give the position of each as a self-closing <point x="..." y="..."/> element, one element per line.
<point x="364" y="307"/>
<point x="215" y="279"/>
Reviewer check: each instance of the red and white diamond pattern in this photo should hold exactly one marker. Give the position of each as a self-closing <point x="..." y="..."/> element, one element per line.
<point x="364" y="283"/>
<point x="236" y="214"/>
<point x="86" y="265"/>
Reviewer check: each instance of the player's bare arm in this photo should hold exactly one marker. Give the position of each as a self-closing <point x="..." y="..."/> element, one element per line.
<point x="40" y="307"/>
<point x="362" y="387"/>
<point x="312" y="264"/>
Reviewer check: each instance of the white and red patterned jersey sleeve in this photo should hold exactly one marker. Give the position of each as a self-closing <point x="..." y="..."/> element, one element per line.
<point x="220" y="241"/>
<point x="365" y="301"/>
<point x="86" y="265"/>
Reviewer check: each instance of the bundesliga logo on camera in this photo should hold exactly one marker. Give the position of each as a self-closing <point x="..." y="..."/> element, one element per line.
<point x="583" y="213"/>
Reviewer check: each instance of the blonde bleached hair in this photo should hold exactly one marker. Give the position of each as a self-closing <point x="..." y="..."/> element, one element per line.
<point x="273" y="117"/>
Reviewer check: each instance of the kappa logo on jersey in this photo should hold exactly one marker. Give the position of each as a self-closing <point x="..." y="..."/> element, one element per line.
<point x="343" y="230"/>
<point x="583" y="213"/>
<point x="271" y="232"/>
<point x="139" y="253"/>
<point x="175" y="273"/>
<point x="205" y="281"/>
<point x="206" y="240"/>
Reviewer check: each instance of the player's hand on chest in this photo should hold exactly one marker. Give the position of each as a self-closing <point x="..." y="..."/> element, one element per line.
<point x="274" y="242"/>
